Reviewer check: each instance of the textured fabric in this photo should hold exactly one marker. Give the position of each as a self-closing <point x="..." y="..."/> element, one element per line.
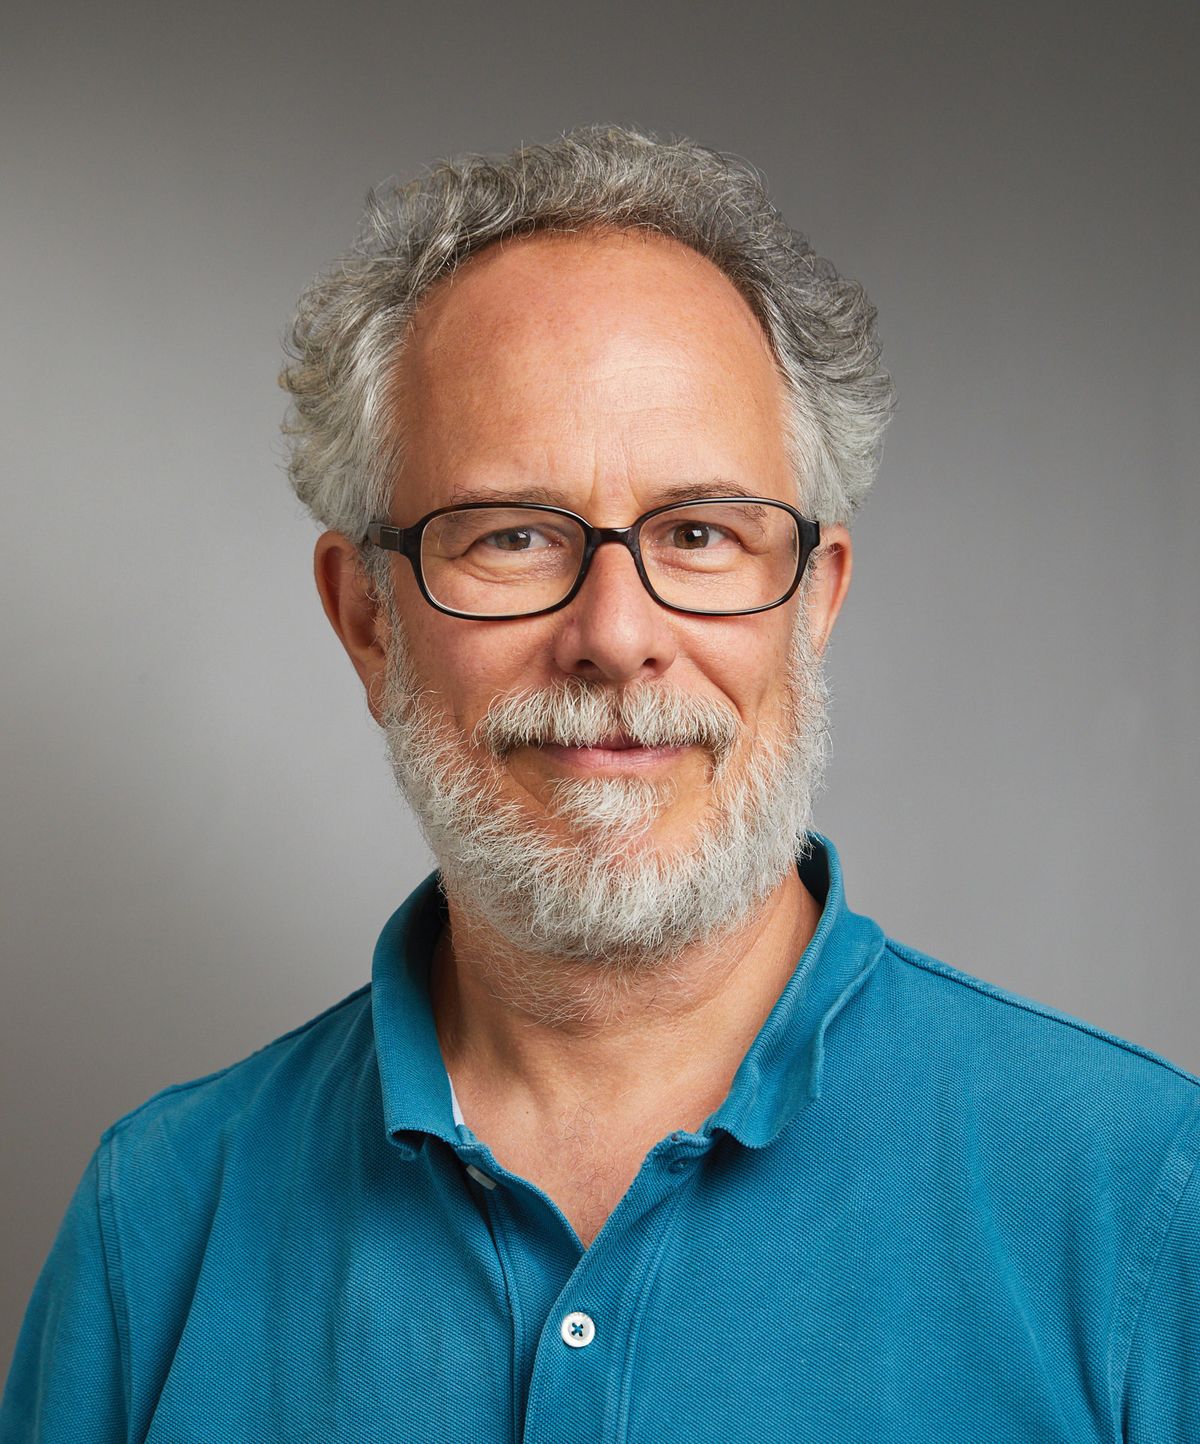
<point x="927" y="1211"/>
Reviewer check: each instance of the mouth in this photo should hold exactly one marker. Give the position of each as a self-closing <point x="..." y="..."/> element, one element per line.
<point x="616" y="752"/>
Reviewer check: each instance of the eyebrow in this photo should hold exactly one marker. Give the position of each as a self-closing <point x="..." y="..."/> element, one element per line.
<point x="549" y="496"/>
<point x="697" y="490"/>
<point x="503" y="495"/>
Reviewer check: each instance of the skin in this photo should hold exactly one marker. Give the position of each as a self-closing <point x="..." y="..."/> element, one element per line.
<point x="602" y="373"/>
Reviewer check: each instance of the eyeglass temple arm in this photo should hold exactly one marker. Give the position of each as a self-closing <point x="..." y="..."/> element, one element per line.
<point x="402" y="539"/>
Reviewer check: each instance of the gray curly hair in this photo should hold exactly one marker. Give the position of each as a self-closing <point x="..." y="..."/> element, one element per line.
<point x="351" y="322"/>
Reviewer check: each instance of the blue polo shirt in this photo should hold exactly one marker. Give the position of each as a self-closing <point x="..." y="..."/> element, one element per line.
<point x="927" y="1210"/>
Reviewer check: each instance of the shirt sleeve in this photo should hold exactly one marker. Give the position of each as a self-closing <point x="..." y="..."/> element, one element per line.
<point x="1162" y="1398"/>
<point x="67" y="1381"/>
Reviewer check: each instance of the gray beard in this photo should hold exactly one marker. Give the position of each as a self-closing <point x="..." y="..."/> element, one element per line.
<point x="599" y="896"/>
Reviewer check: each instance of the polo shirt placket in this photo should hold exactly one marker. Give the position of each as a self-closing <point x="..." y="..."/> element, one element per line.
<point x="577" y="1316"/>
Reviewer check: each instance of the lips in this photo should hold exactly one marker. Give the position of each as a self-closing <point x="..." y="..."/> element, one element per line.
<point x="615" y="749"/>
<point x="615" y="742"/>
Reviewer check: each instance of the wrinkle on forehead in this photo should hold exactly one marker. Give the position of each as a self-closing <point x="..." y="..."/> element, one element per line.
<point x="544" y="339"/>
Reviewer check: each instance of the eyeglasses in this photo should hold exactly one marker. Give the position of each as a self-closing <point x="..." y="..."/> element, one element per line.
<point x="722" y="556"/>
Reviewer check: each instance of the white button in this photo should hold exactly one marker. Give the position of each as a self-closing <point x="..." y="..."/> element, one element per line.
<point x="578" y="1330"/>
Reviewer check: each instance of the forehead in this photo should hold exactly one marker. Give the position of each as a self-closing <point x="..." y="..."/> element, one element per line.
<point x="585" y="359"/>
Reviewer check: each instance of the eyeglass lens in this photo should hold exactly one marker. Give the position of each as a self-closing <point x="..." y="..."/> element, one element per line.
<point x="703" y="556"/>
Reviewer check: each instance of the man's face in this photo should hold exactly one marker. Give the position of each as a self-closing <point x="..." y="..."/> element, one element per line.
<point x="606" y="375"/>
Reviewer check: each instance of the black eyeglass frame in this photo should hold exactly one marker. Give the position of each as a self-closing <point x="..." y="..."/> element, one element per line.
<point x="407" y="541"/>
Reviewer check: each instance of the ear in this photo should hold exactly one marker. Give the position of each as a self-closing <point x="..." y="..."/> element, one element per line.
<point x="353" y="611"/>
<point x="833" y="561"/>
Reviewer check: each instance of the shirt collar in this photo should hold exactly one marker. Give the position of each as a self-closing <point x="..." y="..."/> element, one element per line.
<point x="780" y="1074"/>
<point x="412" y="1072"/>
<point x="783" y="1069"/>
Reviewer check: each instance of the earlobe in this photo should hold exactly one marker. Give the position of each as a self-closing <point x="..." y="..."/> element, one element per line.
<point x="834" y="562"/>
<point x="352" y="609"/>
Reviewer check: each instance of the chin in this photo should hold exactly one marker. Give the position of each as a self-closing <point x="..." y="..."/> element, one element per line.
<point x="627" y="821"/>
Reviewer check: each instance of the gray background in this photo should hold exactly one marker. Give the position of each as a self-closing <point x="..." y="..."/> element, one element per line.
<point x="200" y="836"/>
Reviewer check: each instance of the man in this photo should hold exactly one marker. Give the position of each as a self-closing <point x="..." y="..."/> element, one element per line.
<point x="639" y="1133"/>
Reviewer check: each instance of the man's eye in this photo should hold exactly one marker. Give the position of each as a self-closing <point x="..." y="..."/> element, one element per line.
<point x="695" y="535"/>
<point x="516" y="539"/>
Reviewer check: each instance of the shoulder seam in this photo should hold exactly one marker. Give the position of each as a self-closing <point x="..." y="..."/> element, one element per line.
<point x="110" y="1248"/>
<point x="173" y="1088"/>
<point x="1027" y="1005"/>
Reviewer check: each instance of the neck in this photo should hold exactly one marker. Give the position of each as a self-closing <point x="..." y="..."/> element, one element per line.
<point x="549" y="1032"/>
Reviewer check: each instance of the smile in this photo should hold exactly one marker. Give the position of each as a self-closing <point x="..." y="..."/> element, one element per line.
<point x="616" y="753"/>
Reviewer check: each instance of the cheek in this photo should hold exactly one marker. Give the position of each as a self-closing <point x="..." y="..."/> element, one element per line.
<point x="747" y="660"/>
<point x="469" y="664"/>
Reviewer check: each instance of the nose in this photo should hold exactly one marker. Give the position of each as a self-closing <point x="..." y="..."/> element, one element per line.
<point x="614" y="630"/>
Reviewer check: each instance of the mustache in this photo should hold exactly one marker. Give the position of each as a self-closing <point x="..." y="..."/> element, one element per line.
<point x="581" y="714"/>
